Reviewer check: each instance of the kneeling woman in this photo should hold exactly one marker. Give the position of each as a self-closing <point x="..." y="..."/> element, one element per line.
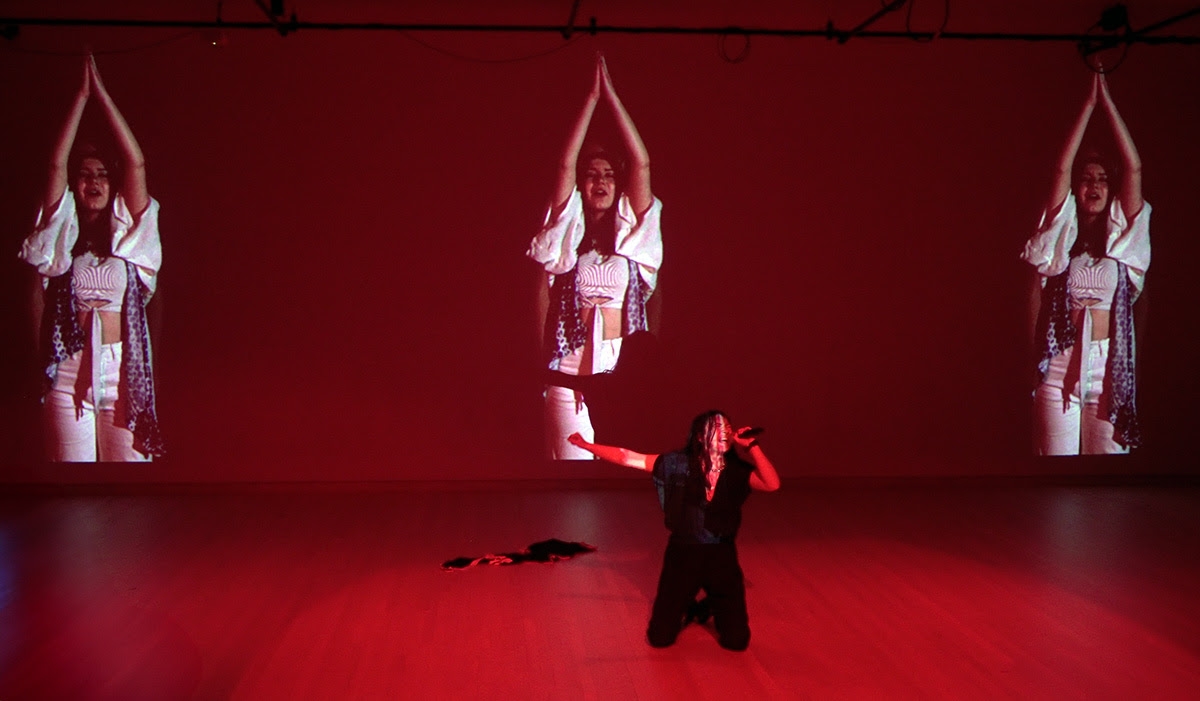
<point x="1091" y="252"/>
<point x="96" y="249"/>
<point x="701" y="490"/>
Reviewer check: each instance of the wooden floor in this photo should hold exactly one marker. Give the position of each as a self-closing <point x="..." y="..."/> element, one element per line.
<point x="923" y="591"/>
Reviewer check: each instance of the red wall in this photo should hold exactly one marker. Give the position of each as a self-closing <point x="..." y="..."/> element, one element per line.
<point x="344" y="294"/>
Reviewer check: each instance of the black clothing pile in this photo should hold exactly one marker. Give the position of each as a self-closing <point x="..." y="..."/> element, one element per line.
<point x="551" y="550"/>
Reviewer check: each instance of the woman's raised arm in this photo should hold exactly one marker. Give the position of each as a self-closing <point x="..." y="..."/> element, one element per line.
<point x="56" y="183"/>
<point x="1130" y="191"/>
<point x="638" y="187"/>
<point x="1066" y="158"/>
<point x="133" y="163"/>
<point x="565" y="181"/>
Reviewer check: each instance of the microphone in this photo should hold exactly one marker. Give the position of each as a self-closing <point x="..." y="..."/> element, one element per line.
<point x="751" y="432"/>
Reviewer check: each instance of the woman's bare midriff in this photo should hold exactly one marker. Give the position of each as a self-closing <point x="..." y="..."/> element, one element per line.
<point x="1100" y="319"/>
<point x="610" y="318"/>
<point x="110" y="325"/>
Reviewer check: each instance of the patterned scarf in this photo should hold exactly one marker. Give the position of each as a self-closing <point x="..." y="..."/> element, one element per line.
<point x="1119" y="370"/>
<point x="137" y="375"/>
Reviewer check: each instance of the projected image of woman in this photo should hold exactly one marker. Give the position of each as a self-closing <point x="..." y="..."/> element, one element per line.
<point x="96" y="249"/>
<point x="1091" y="252"/>
<point x="600" y="249"/>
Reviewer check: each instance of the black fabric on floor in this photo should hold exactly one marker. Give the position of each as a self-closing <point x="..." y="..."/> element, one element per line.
<point x="551" y="550"/>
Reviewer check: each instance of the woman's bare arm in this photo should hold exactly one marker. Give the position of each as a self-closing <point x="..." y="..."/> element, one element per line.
<point x="56" y="184"/>
<point x="638" y="185"/>
<point x="565" y="182"/>
<point x="764" y="477"/>
<point x="1130" y="191"/>
<point x="615" y="455"/>
<point x="1066" y="158"/>
<point x="133" y="163"/>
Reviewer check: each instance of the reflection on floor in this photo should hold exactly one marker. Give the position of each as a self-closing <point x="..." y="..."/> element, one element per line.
<point x="953" y="590"/>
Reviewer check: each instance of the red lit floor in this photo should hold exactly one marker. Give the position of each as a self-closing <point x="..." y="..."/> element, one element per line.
<point x="959" y="591"/>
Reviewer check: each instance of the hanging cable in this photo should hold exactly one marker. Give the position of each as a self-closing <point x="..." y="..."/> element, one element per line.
<point x="829" y="31"/>
<point x="1114" y="24"/>
<point x="886" y="7"/>
<point x="476" y="59"/>
<point x="936" y="34"/>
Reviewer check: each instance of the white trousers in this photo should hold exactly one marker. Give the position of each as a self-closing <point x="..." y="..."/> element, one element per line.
<point x="83" y="413"/>
<point x="1062" y="423"/>
<point x="565" y="409"/>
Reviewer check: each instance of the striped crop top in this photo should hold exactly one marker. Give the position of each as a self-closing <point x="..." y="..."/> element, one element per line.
<point x="602" y="276"/>
<point x="1090" y="279"/>
<point x="95" y="280"/>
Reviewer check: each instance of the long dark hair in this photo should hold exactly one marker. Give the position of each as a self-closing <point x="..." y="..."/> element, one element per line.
<point x="700" y="435"/>
<point x="601" y="235"/>
<point x="1093" y="236"/>
<point x="95" y="236"/>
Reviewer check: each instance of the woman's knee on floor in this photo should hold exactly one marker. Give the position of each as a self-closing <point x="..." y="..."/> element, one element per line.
<point x="736" y="641"/>
<point x="661" y="635"/>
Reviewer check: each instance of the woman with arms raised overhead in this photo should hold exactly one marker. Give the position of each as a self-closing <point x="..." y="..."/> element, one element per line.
<point x="97" y="254"/>
<point x="1091" y="252"/>
<point x="600" y="250"/>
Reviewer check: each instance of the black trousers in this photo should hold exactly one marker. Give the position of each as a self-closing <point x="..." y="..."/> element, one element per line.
<point x="688" y="568"/>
